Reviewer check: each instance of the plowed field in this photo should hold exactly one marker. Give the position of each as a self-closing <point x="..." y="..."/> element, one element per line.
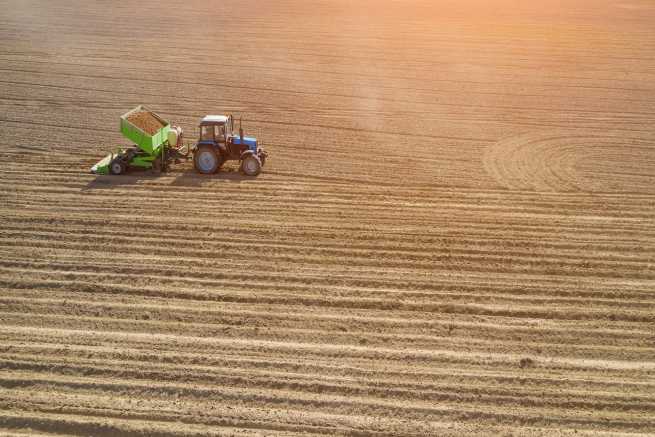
<point x="454" y="233"/>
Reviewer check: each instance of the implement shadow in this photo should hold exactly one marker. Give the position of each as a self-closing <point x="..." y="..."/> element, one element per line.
<point x="105" y="182"/>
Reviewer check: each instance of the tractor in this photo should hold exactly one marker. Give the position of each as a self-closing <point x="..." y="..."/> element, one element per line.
<point x="218" y="143"/>
<point x="158" y="144"/>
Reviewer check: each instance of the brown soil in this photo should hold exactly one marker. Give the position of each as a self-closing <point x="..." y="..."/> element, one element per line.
<point x="145" y="121"/>
<point x="454" y="234"/>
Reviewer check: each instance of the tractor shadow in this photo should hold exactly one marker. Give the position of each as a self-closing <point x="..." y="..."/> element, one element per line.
<point x="177" y="178"/>
<point x="191" y="178"/>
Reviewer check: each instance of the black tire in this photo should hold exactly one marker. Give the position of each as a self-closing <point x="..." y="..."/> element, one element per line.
<point x="251" y="165"/>
<point x="117" y="166"/>
<point x="156" y="166"/>
<point x="206" y="160"/>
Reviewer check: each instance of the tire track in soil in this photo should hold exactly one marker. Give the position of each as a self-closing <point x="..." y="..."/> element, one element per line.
<point x="573" y="161"/>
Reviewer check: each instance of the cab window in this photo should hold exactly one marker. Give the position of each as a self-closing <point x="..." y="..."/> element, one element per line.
<point x="207" y="133"/>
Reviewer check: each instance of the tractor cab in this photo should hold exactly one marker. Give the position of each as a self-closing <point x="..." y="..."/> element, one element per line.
<point x="214" y="128"/>
<point x="218" y="143"/>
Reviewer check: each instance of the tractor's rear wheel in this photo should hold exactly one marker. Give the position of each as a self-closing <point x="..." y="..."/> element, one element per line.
<point x="251" y="165"/>
<point x="206" y="160"/>
<point x="117" y="167"/>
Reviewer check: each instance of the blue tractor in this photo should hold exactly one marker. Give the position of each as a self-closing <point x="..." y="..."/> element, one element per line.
<point x="218" y="143"/>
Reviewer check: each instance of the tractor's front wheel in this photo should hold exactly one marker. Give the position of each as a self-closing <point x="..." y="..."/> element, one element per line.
<point x="206" y="160"/>
<point x="117" y="167"/>
<point x="251" y="165"/>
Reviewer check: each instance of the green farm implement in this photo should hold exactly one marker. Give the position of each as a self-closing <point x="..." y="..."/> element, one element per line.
<point x="156" y="144"/>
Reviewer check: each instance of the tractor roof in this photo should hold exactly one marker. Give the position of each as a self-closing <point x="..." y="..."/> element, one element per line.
<point x="214" y="119"/>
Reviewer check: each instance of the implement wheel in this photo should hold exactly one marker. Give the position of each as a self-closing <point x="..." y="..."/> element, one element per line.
<point x="206" y="160"/>
<point x="156" y="166"/>
<point x="251" y="165"/>
<point x="117" y="167"/>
